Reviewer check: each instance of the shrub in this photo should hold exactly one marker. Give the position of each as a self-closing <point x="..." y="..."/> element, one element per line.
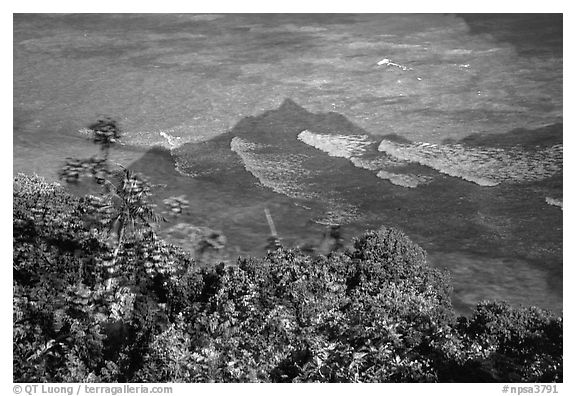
<point x="62" y="312"/>
<point x="375" y="313"/>
<point x="517" y="344"/>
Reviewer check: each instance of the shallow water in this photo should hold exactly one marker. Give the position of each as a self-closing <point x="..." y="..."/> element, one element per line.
<point x="488" y="213"/>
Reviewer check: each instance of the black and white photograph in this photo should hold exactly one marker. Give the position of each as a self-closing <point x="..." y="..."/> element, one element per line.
<point x="287" y="198"/>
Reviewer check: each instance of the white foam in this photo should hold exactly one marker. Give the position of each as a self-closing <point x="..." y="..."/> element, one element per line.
<point x="377" y="163"/>
<point x="388" y="62"/>
<point x="335" y="145"/>
<point x="485" y="166"/>
<point x="173" y="141"/>
<point x="282" y="173"/>
<point x="353" y="147"/>
<point x="554" y="202"/>
<point x="404" y="180"/>
<point x="285" y="174"/>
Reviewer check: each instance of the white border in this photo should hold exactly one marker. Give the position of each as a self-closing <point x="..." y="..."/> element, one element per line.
<point x="356" y="6"/>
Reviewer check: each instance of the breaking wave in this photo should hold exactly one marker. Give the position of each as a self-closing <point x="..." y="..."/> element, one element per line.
<point x="361" y="150"/>
<point x="403" y="164"/>
<point x="281" y="173"/>
<point x="485" y="166"/>
<point x="173" y="141"/>
<point x="345" y="146"/>
<point x="376" y="163"/>
<point x="404" y="179"/>
<point x="285" y="174"/>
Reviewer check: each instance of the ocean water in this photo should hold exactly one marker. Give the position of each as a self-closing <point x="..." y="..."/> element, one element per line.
<point x="483" y="166"/>
<point x="446" y="126"/>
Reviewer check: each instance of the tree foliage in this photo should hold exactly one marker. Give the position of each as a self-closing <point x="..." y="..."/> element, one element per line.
<point x="377" y="312"/>
<point x="105" y="133"/>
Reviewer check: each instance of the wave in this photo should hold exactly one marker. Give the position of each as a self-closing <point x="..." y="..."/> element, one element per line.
<point x="344" y="146"/>
<point x="361" y="150"/>
<point x="173" y="141"/>
<point x="282" y="173"/>
<point x="485" y="166"/>
<point x="377" y="163"/>
<point x="404" y="180"/>
<point x="554" y="202"/>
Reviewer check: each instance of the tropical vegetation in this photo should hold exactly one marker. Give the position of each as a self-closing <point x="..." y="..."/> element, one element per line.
<point x="374" y="312"/>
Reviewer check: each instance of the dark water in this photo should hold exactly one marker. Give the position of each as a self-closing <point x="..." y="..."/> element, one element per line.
<point x="503" y="241"/>
<point x="457" y="139"/>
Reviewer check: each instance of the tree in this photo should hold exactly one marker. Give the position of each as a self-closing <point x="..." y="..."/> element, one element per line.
<point x="105" y="132"/>
<point x="376" y="312"/>
<point x="131" y="209"/>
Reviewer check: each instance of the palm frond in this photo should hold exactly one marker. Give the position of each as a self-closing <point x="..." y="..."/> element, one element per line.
<point x="129" y="199"/>
<point x="149" y="214"/>
<point x="109" y="187"/>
